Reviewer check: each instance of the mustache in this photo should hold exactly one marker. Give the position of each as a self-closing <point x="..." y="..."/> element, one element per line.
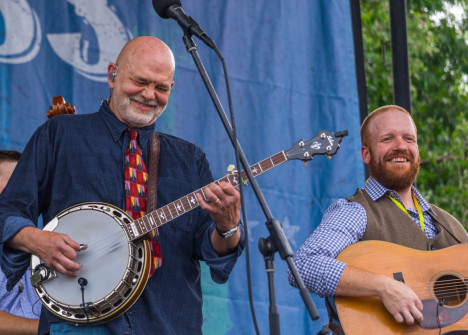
<point x="399" y="153"/>
<point x="150" y="103"/>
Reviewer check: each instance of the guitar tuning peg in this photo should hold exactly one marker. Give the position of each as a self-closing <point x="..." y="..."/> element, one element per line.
<point x="231" y="168"/>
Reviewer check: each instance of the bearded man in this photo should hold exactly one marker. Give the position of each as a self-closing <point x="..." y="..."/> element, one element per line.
<point x="389" y="208"/>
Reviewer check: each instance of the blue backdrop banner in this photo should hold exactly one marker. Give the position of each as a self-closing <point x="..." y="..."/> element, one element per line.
<point x="292" y="73"/>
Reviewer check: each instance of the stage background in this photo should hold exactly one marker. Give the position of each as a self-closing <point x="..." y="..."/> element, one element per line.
<point x="292" y="73"/>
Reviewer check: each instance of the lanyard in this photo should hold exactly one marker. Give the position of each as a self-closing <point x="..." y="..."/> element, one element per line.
<point x="421" y="217"/>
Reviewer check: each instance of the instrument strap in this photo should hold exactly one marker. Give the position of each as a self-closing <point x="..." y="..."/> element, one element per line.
<point x="334" y="321"/>
<point x="153" y="173"/>
<point x="416" y="203"/>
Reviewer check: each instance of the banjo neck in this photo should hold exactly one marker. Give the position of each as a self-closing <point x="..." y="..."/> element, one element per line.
<point x="142" y="226"/>
<point x="325" y="143"/>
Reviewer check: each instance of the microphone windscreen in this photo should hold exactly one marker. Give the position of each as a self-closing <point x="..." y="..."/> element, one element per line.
<point x="160" y="6"/>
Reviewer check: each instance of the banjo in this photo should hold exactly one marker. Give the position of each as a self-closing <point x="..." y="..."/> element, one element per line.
<point x="116" y="264"/>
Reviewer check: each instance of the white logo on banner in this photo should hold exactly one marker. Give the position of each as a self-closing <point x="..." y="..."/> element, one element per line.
<point x="22" y="32"/>
<point x="23" y="36"/>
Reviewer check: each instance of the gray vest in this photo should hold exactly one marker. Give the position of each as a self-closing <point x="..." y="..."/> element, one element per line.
<point x="386" y="222"/>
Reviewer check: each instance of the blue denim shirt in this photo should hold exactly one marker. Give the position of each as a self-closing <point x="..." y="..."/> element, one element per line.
<point x="80" y="158"/>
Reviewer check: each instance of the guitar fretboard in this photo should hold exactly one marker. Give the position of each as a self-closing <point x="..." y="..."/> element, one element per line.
<point x="169" y="212"/>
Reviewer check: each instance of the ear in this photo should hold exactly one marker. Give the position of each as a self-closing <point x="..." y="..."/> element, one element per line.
<point x="365" y="153"/>
<point x="111" y="72"/>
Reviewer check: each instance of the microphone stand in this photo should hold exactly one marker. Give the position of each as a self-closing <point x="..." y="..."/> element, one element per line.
<point x="277" y="240"/>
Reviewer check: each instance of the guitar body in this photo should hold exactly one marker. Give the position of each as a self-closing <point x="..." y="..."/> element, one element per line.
<point x="116" y="269"/>
<point x="433" y="275"/>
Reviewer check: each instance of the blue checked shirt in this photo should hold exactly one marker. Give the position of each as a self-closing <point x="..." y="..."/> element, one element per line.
<point x="21" y="300"/>
<point x="343" y="224"/>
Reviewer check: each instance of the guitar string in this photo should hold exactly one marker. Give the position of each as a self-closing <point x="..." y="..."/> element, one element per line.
<point x="445" y="289"/>
<point x="442" y="284"/>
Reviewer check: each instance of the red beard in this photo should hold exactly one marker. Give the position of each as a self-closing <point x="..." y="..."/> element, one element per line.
<point x="396" y="178"/>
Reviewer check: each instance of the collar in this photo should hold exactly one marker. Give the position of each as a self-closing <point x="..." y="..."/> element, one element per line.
<point x="117" y="127"/>
<point x="377" y="191"/>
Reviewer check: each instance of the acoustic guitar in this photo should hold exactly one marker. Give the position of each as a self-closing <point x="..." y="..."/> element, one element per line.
<point x="116" y="263"/>
<point x="439" y="278"/>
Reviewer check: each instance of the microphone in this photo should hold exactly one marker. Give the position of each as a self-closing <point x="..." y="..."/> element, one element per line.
<point x="173" y="9"/>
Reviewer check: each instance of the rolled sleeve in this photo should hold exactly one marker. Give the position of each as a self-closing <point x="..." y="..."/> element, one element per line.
<point x="14" y="262"/>
<point x="220" y="266"/>
<point x="343" y="224"/>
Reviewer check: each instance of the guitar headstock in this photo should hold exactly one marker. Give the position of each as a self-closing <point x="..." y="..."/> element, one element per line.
<point x="325" y="143"/>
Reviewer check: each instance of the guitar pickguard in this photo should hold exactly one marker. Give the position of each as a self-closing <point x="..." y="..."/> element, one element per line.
<point x="447" y="315"/>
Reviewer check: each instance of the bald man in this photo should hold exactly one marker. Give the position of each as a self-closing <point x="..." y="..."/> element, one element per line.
<point x="82" y="158"/>
<point x="390" y="148"/>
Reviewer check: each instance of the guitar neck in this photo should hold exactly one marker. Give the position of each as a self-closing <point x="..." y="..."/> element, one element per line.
<point x="173" y="210"/>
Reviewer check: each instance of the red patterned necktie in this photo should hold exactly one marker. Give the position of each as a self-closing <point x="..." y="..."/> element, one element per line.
<point x="136" y="181"/>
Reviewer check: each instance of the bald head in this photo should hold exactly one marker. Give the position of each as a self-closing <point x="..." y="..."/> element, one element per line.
<point x="148" y="46"/>
<point x="141" y="81"/>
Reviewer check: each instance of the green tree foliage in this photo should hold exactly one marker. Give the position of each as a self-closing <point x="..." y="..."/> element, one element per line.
<point x="438" y="59"/>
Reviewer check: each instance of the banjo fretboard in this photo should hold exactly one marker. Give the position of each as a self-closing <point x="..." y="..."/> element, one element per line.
<point x="173" y="210"/>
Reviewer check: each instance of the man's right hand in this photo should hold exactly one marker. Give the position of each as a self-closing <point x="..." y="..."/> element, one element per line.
<point x="401" y="301"/>
<point x="57" y="251"/>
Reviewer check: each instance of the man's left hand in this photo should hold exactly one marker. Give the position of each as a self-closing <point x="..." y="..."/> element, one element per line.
<point x="223" y="205"/>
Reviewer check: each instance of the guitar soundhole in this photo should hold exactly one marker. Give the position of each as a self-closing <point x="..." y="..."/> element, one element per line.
<point x="450" y="289"/>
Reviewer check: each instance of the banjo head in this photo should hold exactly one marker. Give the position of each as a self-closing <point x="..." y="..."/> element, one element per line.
<point x="114" y="269"/>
